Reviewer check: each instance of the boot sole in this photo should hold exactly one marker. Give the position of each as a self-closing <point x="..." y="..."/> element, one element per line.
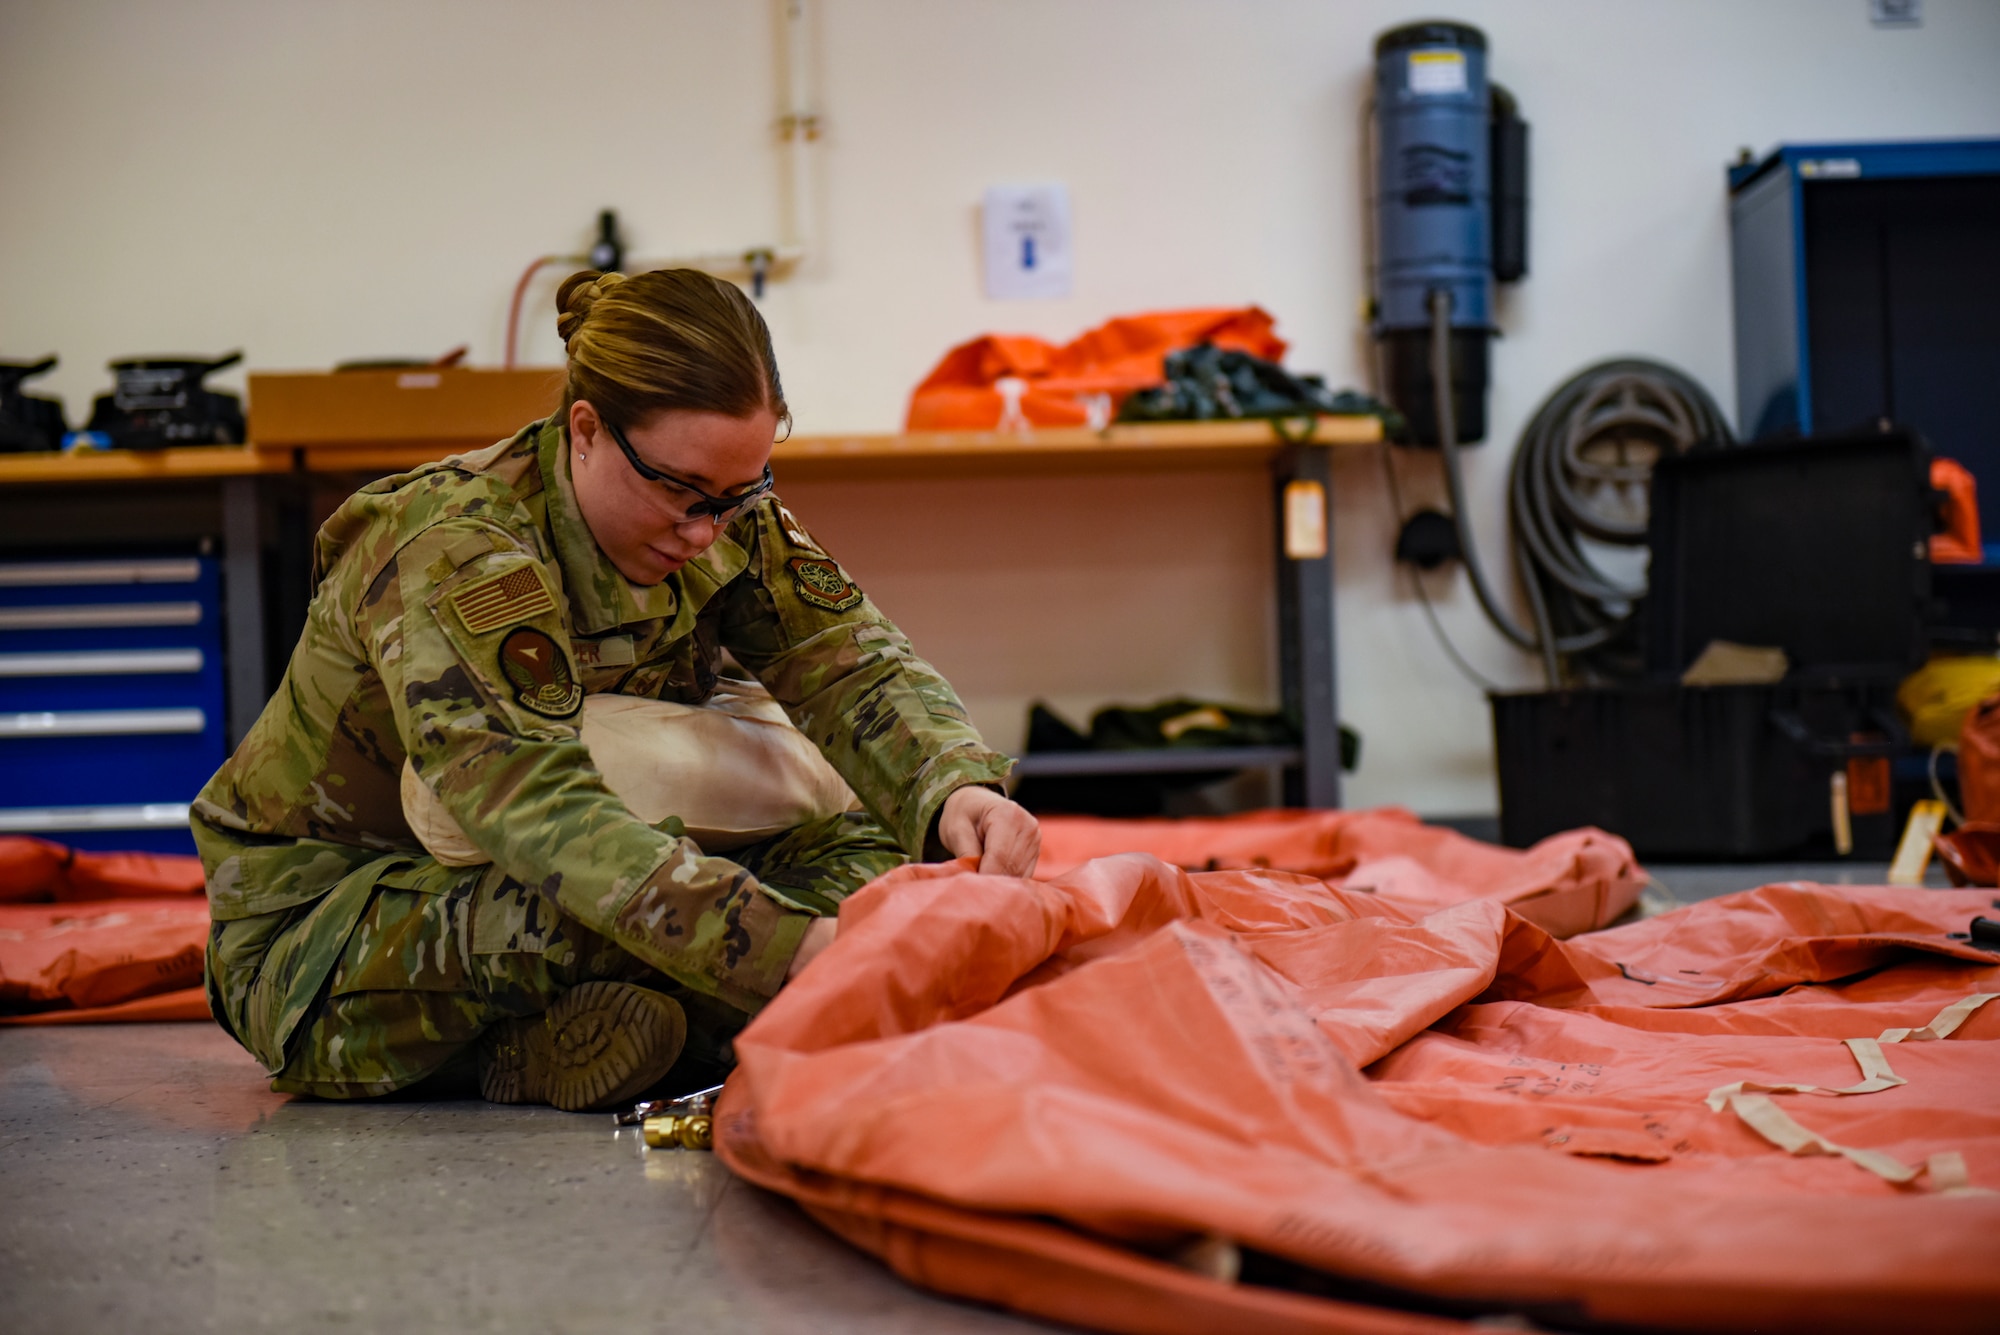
<point x="600" y="1044"/>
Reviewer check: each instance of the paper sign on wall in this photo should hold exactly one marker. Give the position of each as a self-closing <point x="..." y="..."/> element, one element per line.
<point x="1027" y="241"/>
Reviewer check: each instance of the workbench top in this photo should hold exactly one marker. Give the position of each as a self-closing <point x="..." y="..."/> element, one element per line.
<point x="1140" y="447"/>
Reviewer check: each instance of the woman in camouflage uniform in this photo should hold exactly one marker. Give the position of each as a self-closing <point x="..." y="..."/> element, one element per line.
<point x="462" y="613"/>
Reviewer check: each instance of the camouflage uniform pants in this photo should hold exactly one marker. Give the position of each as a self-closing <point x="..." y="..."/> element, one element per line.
<point x="435" y="960"/>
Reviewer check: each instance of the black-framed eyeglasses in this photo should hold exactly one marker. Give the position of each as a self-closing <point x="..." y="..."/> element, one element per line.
<point x="721" y="508"/>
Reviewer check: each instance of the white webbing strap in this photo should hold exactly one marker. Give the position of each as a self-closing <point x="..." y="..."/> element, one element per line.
<point x="1748" y="1100"/>
<point x="1945" y="1025"/>
<point x="1946" y="1170"/>
<point x="1774" y="1124"/>
<point x="1875" y="1075"/>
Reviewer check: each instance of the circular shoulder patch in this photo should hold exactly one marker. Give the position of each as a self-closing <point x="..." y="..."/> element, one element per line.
<point x="823" y="584"/>
<point x="535" y="665"/>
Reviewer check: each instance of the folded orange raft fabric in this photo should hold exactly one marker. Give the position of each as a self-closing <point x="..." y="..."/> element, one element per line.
<point x="1139" y="1099"/>
<point x="1001" y="381"/>
<point x="123" y="941"/>
<point x="189" y="1003"/>
<point x="79" y="956"/>
<point x="38" y="870"/>
<point x="1566" y="884"/>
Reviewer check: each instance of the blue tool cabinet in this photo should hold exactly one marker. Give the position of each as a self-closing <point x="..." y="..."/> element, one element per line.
<point x="111" y="699"/>
<point x="1867" y="288"/>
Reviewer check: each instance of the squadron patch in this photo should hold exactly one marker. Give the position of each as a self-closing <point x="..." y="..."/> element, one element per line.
<point x="511" y="596"/>
<point x="540" y="673"/>
<point x="823" y="584"/>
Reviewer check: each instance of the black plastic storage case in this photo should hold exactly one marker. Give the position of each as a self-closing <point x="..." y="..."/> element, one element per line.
<point x="1820" y="547"/>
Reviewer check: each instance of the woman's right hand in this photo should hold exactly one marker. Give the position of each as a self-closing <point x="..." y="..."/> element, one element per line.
<point x="977" y="822"/>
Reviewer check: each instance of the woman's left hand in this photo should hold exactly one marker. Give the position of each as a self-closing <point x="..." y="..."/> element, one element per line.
<point x="979" y="823"/>
<point x="817" y="938"/>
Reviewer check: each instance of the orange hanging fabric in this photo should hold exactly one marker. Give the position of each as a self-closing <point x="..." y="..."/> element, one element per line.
<point x="1138" y="1099"/>
<point x="1959" y="544"/>
<point x="1014" y="382"/>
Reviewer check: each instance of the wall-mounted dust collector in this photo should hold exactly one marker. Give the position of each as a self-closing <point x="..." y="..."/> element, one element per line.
<point x="1450" y="219"/>
<point x="1449" y="176"/>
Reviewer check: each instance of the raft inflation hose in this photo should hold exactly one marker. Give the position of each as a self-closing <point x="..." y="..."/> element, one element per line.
<point x="1580" y="461"/>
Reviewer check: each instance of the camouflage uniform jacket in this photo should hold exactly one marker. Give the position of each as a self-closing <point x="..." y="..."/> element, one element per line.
<point x="461" y="613"/>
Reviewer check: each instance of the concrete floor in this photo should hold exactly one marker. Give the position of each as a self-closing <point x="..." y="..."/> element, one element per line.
<point x="151" y="1182"/>
<point x="1706" y="881"/>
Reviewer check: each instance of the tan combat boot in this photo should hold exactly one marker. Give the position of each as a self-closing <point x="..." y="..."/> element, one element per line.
<point x="599" y="1045"/>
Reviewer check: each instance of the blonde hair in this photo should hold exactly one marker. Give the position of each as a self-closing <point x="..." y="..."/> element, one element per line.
<point x="672" y="338"/>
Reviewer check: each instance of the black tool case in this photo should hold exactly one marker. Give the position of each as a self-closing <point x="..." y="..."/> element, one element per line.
<point x="1693" y="772"/>
<point x="1819" y="547"/>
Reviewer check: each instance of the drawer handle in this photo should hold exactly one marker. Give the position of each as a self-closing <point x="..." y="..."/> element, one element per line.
<point x="58" y="820"/>
<point x="42" y="575"/>
<point x="101" y="663"/>
<point x="100" y="616"/>
<point x="101" y="722"/>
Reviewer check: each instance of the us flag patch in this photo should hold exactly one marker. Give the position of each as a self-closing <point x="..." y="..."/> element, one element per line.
<point x="503" y="600"/>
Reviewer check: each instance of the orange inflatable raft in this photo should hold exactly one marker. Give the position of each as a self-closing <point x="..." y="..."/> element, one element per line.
<point x="1135" y="1098"/>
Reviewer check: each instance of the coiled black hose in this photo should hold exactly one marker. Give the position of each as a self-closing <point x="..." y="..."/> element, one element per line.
<point x="1580" y="472"/>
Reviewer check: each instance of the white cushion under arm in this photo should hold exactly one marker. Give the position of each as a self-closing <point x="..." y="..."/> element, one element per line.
<point x="734" y="770"/>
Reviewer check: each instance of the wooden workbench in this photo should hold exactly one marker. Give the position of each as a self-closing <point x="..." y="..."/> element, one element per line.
<point x="142" y="465"/>
<point x="1172" y="445"/>
<point x="253" y="532"/>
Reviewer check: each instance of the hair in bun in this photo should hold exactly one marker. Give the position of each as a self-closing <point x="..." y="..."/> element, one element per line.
<point x="577" y="295"/>
<point x="672" y="338"/>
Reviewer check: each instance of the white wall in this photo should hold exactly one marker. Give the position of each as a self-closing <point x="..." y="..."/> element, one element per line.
<point x="317" y="182"/>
